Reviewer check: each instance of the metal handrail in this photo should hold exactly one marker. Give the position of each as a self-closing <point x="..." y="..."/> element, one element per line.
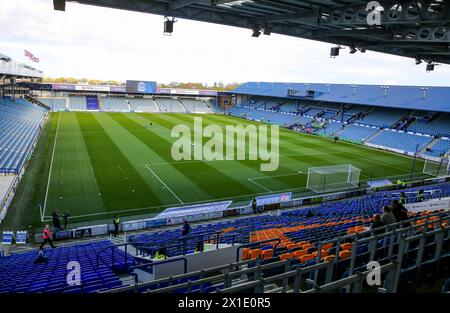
<point x="113" y="251"/>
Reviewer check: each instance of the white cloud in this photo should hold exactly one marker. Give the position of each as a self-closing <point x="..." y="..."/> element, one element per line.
<point x="93" y="42"/>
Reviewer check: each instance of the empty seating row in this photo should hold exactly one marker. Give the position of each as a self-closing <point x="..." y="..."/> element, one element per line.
<point x="114" y="104"/>
<point x="20" y="123"/>
<point x="401" y="140"/>
<point x="439" y="126"/>
<point x="383" y="117"/>
<point x="143" y="105"/>
<point x="195" y="106"/>
<point x="357" y="133"/>
<point x="56" y="104"/>
<point x="170" y="105"/>
<point x="440" y="148"/>
<point x="19" y="274"/>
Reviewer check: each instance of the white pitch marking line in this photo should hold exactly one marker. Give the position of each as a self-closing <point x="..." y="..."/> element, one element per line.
<point x="173" y="193"/>
<point x="51" y="167"/>
<point x="267" y="189"/>
<point x="283" y="175"/>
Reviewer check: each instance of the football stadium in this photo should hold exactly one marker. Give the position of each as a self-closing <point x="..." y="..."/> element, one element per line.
<point x="269" y="187"/>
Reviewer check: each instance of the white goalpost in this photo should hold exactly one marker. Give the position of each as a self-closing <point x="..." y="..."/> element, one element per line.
<point x="333" y="178"/>
<point x="437" y="168"/>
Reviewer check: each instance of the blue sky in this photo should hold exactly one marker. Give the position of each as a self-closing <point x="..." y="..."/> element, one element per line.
<point x="92" y="42"/>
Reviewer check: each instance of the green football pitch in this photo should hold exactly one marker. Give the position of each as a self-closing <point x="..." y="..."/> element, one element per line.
<point x="99" y="164"/>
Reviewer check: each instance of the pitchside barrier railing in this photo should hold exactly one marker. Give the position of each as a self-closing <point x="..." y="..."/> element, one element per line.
<point x="396" y="241"/>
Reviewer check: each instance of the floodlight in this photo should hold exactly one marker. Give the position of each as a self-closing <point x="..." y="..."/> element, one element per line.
<point x="334" y="52"/>
<point x="168" y="26"/>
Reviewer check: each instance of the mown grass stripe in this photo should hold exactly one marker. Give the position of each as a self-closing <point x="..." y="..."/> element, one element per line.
<point x="121" y="186"/>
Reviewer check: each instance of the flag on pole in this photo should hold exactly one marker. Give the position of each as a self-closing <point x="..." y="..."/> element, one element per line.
<point x="30" y="55"/>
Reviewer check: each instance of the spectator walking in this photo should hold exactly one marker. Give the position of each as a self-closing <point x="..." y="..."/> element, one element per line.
<point x="116" y="222"/>
<point x="47" y="237"/>
<point x="186" y="229"/>
<point x="377" y="223"/>
<point x="399" y="211"/>
<point x="388" y="217"/>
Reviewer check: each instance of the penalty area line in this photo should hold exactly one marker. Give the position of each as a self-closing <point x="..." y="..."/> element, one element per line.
<point x="257" y="184"/>
<point x="164" y="184"/>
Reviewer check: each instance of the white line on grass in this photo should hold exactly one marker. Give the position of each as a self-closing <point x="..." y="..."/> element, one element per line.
<point x="51" y="167"/>
<point x="173" y="193"/>
<point x="283" y="175"/>
<point x="257" y="184"/>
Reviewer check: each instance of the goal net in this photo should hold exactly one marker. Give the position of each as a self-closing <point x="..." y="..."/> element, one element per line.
<point x="333" y="178"/>
<point x="437" y="168"/>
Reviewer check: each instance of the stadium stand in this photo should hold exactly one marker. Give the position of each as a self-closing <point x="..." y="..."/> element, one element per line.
<point x="440" y="126"/>
<point x="195" y="106"/>
<point x="20" y="124"/>
<point x="441" y="147"/>
<point x="293" y="225"/>
<point x="56" y="104"/>
<point x="283" y="119"/>
<point x="383" y="117"/>
<point x="114" y="104"/>
<point x="281" y="243"/>
<point x="357" y="133"/>
<point x="400" y="140"/>
<point x="238" y="110"/>
<point x="19" y="274"/>
<point x="331" y="128"/>
<point x="77" y="103"/>
<point x="170" y="105"/>
<point x="143" y="105"/>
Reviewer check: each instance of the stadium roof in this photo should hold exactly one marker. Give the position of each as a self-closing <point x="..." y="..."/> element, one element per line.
<point x="10" y="68"/>
<point x="416" y="29"/>
<point x="400" y="97"/>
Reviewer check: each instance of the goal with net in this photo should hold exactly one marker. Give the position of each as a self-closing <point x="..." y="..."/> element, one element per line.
<point x="438" y="167"/>
<point x="333" y="178"/>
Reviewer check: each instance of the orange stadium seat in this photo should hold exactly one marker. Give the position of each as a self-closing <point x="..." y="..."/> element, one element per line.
<point x="245" y="253"/>
<point x="255" y="253"/>
<point x="267" y="254"/>
<point x="345" y="254"/>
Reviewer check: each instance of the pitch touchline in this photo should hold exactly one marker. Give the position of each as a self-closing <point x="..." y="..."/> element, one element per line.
<point x="173" y="193"/>
<point x="51" y="167"/>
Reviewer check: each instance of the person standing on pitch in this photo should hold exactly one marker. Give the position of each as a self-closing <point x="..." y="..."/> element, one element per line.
<point x="116" y="222"/>
<point x="56" y="222"/>
<point x="47" y="237"/>
<point x="65" y="218"/>
<point x="254" y="205"/>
